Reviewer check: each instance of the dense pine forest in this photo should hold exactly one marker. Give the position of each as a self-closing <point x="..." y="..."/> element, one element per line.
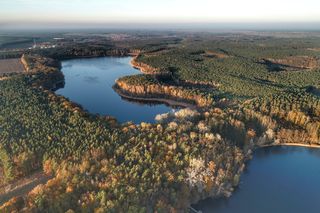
<point x="246" y="90"/>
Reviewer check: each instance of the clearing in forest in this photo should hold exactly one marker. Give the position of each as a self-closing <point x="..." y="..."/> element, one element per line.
<point x="13" y="65"/>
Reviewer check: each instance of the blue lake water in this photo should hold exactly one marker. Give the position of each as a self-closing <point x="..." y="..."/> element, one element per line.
<point x="277" y="180"/>
<point x="89" y="82"/>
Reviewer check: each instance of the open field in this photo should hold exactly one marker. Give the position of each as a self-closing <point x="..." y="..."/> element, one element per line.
<point x="11" y="66"/>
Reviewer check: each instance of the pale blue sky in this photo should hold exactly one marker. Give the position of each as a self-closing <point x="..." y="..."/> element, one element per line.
<point x="127" y="11"/>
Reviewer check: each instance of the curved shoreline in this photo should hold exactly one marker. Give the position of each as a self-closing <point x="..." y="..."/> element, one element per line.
<point x="177" y="103"/>
<point x="142" y="69"/>
<point x="170" y="102"/>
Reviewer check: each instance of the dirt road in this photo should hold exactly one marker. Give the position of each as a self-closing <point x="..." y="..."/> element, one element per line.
<point x="22" y="186"/>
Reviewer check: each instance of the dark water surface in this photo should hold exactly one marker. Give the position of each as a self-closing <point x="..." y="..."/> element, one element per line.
<point x="89" y="82"/>
<point x="277" y="179"/>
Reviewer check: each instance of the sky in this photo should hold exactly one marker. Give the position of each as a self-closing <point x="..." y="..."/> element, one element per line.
<point x="15" y="12"/>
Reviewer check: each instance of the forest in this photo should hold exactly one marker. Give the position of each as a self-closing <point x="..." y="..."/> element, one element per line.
<point x="247" y="91"/>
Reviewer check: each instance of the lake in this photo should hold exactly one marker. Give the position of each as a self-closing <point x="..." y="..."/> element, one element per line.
<point x="277" y="179"/>
<point x="89" y="81"/>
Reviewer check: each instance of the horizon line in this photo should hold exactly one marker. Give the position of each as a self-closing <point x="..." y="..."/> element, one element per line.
<point x="254" y="25"/>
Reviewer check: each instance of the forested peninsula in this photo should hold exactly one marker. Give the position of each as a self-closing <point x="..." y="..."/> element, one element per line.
<point x="244" y="91"/>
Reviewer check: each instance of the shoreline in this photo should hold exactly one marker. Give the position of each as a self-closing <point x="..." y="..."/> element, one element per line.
<point x="184" y="104"/>
<point x="290" y="144"/>
<point x="170" y="102"/>
<point x="140" y="68"/>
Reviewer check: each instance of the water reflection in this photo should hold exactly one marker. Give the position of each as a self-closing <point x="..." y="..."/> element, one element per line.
<point x="150" y="103"/>
<point x="91" y="79"/>
<point x="278" y="179"/>
<point x="89" y="82"/>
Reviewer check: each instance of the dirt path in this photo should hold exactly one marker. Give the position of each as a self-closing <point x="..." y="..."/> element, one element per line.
<point x="22" y="186"/>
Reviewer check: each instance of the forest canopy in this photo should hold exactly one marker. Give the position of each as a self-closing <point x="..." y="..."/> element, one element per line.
<point x="246" y="90"/>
